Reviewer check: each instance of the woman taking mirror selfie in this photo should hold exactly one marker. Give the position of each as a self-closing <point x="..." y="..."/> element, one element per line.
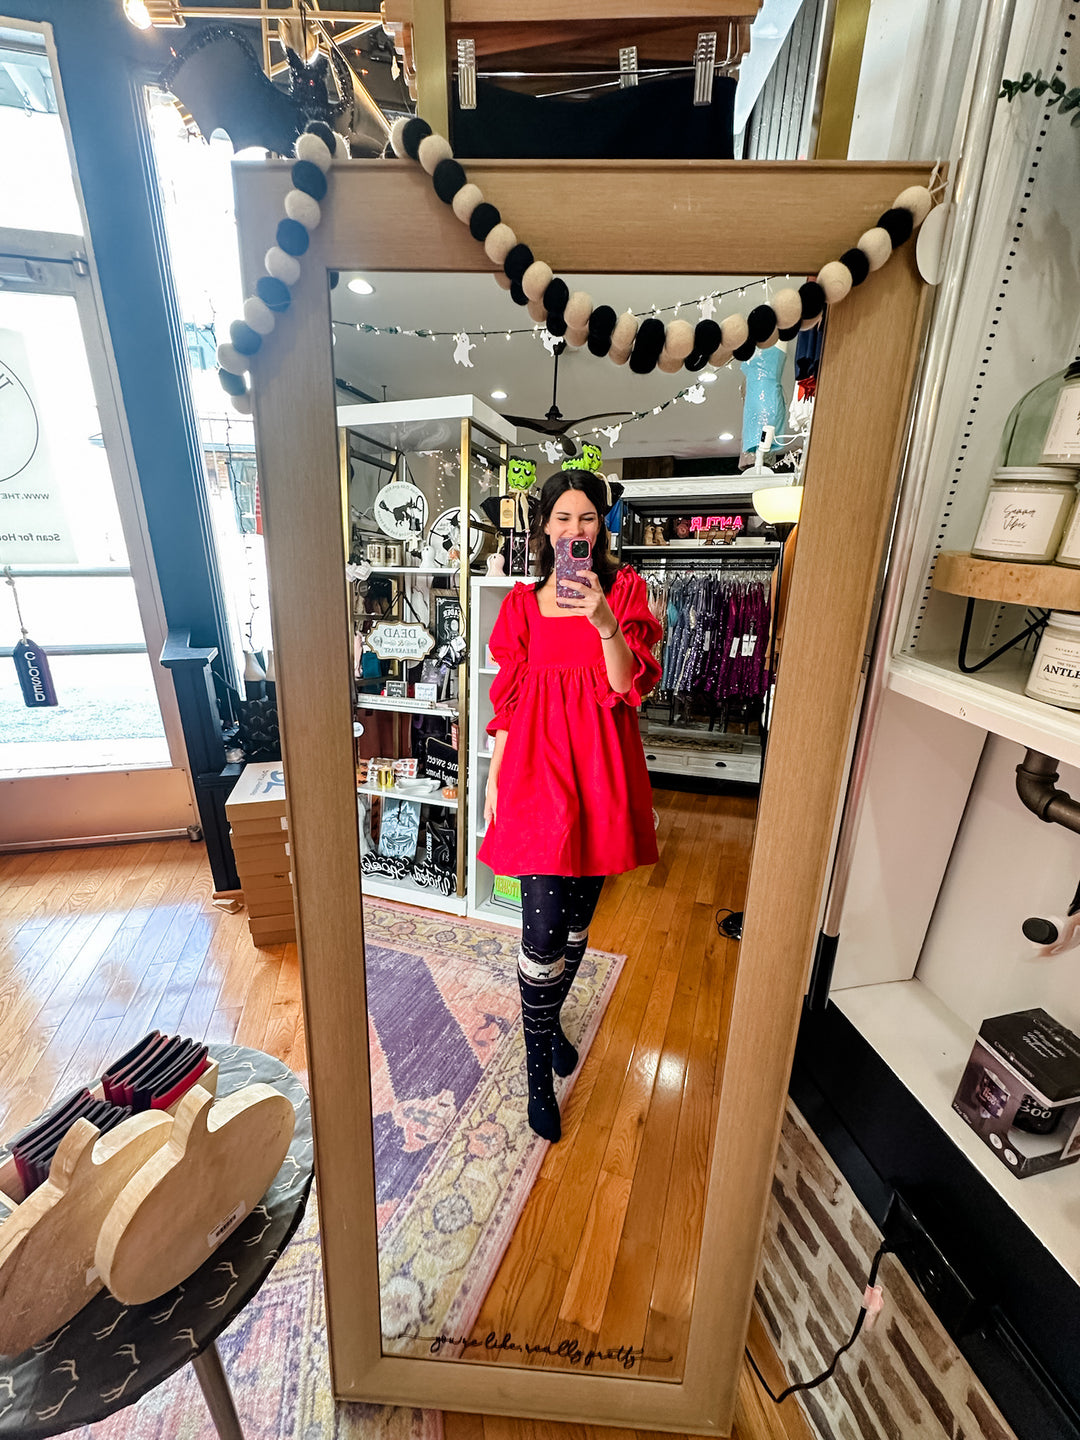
<point x="568" y="796"/>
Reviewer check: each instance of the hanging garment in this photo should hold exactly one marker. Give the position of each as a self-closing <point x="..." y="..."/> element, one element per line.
<point x="764" y="403"/>
<point x="573" y="796"/>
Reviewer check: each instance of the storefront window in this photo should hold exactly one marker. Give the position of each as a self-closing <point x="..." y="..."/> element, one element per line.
<point x="36" y="188"/>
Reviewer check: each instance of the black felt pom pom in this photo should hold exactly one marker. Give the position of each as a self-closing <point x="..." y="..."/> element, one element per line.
<point x="555" y="296"/>
<point x="412" y="133"/>
<point x="556" y="322"/>
<point x="308" y="177"/>
<point x="292" y="237"/>
<point x="244" y="338"/>
<point x="813" y="300"/>
<point x="601" y="324"/>
<point x="789" y="333"/>
<point x="696" y="360"/>
<point x="745" y="351"/>
<point x="706" y="337"/>
<point x="230" y="383"/>
<point x="899" y="225"/>
<point x="761" y="323"/>
<point x="517" y="262"/>
<point x="274" y="293"/>
<point x="325" y="134"/>
<point x="648" y="342"/>
<point x="857" y="263"/>
<point x="483" y="220"/>
<point x="448" y="177"/>
<point x="517" y="294"/>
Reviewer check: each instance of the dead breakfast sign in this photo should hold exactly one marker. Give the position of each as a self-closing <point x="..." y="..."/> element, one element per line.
<point x="398" y="640"/>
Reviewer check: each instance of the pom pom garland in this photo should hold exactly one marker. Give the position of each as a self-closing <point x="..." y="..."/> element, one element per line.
<point x="648" y="343"/>
<point x="246" y="341"/>
<point x="502" y="279"/>
<point x="678" y="340"/>
<point x="601" y="325"/>
<point x="431" y="150"/>
<point x="229" y="358"/>
<point x="835" y="281"/>
<point x="787" y="307"/>
<point x="897" y="224"/>
<point x="397" y="138"/>
<point x="283" y="267"/>
<point x="576" y="336"/>
<point x="622" y="336"/>
<point x="303" y="209"/>
<point x="311" y="148"/>
<point x="857" y="263"/>
<point x="341" y="148"/>
<point x="556" y="323"/>
<point x="500" y="241"/>
<point x="448" y="179"/>
<point x="259" y="315"/>
<point x="918" y="200"/>
<point x="706" y="339"/>
<point x="876" y="245"/>
<point x="578" y="309"/>
<point x="232" y="384"/>
<point x="744" y="352"/>
<point x="412" y="132"/>
<point x="536" y="310"/>
<point x="517" y="294"/>
<point x="556" y="296"/>
<point x="292" y="238"/>
<point x="309" y="178"/>
<point x="734" y="332"/>
<point x="669" y="364"/>
<point x="324" y="133"/>
<point x="761" y="325"/>
<point x="483" y="220"/>
<point x="813" y="300"/>
<point x="273" y="293"/>
<point x="536" y="280"/>
<point x="242" y="402"/>
<point x="517" y="262"/>
<point x="465" y="202"/>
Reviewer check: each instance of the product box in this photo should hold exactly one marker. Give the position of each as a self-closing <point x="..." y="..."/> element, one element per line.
<point x="1020" y="1091"/>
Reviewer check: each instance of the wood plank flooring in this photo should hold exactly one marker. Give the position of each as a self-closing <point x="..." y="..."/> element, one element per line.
<point x="99" y="945"/>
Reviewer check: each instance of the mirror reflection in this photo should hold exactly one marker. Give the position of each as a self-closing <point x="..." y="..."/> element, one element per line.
<point x="567" y="583"/>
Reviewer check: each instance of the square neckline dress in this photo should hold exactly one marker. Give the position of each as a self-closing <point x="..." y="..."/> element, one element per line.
<point x="574" y="796"/>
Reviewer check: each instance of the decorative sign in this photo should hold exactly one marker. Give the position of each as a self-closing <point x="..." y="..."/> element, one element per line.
<point x="34" y="526"/>
<point x="396" y="690"/>
<point x="399" y="640"/>
<point x="441" y="761"/>
<point x="401" y="510"/>
<point x="425" y="692"/>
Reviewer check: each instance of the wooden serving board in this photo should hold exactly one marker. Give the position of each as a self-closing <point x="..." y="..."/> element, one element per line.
<point x="47" y="1270"/>
<point x="1045" y="587"/>
<point x="177" y="1209"/>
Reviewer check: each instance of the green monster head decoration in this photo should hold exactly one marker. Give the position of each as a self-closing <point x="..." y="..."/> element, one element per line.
<point x="520" y="473"/>
<point x="591" y="458"/>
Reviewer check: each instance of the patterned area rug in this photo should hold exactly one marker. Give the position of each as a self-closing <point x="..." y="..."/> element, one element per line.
<point x="455" y="1158"/>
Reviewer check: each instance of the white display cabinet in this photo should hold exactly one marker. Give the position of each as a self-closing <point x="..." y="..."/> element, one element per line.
<point x="947" y="861"/>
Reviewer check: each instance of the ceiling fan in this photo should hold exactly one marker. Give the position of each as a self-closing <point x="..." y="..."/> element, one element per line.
<point x="554" y="422"/>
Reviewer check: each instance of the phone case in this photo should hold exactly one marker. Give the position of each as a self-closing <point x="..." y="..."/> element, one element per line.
<point x="569" y="566"/>
<point x="119" y="1068"/>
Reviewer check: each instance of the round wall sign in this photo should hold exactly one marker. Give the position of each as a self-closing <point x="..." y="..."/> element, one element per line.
<point x="445" y="535"/>
<point x="401" y="510"/>
<point x="19" y="429"/>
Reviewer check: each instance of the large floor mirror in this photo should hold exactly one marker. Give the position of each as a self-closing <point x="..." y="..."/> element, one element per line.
<point x="606" y="1278"/>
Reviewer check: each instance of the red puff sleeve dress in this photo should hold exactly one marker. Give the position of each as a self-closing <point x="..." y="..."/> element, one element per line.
<point x="573" y="791"/>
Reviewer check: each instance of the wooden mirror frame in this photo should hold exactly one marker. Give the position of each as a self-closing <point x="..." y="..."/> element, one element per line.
<point x="691" y="217"/>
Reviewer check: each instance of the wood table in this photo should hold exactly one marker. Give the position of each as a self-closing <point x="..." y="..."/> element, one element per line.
<point x="110" y="1354"/>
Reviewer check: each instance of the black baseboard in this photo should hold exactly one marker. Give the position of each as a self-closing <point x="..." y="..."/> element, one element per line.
<point x="1023" y="1342"/>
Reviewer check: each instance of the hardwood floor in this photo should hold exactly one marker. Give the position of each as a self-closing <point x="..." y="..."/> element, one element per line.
<point x="99" y="945"/>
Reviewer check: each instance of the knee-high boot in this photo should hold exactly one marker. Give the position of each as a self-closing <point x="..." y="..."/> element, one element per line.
<point x="539" y="985"/>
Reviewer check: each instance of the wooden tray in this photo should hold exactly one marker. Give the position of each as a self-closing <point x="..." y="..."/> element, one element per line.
<point x="1042" y="587"/>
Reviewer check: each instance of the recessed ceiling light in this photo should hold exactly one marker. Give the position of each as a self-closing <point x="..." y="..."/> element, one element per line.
<point x="707" y="376"/>
<point x="360" y="286"/>
<point x="498" y="394"/>
<point x="727" y="435"/>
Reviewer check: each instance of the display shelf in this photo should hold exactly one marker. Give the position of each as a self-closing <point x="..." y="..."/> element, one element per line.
<point x="408" y="707"/>
<point x="993" y="700"/>
<point x="499" y="914"/>
<point x="488" y="670"/>
<point x="927" y="1046"/>
<point x="404" y="890"/>
<point x="1043" y="587"/>
<point x="450" y="571"/>
<point x="392" y="792"/>
<point x="688" y="550"/>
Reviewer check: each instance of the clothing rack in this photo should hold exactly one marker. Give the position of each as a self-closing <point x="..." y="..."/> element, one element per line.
<point x="763" y="558"/>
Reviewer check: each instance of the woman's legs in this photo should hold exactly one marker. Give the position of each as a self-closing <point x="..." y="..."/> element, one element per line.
<point x="582" y="893"/>
<point x="540" y="973"/>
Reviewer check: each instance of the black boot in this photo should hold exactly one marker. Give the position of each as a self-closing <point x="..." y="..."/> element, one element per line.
<point x="539" y="1017"/>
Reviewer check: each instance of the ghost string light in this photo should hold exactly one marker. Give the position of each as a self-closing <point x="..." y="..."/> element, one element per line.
<point x="648" y="344"/>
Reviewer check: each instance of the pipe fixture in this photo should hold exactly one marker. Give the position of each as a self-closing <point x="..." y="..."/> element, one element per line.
<point x="1036" y="778"/>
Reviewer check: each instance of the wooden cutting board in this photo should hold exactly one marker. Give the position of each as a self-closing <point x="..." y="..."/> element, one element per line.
<point x="47" y="1245"/>
<point x="215" y="1168"/>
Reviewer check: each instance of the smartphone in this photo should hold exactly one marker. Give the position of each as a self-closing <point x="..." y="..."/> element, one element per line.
<point x="572" y="559"/>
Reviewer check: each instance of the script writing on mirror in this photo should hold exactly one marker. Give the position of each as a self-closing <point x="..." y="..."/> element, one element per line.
<point x="628" y="1356"/>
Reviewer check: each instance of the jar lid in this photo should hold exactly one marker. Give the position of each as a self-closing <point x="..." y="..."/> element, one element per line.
<point x="1067" y="619"/>
<point x="1048" y="474"/>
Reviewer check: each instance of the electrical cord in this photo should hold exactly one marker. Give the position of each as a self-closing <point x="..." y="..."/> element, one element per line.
<point x="828" y="1374"/>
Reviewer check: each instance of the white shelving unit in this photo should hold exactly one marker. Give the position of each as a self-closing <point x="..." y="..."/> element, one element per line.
<point x="405" y="707"/>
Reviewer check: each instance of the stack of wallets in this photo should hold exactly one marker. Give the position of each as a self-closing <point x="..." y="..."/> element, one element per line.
<point x="34" y="1149"/>
<point x="151" y="1076"/>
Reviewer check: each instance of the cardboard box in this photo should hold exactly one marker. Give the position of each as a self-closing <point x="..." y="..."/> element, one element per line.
<point x="1020" y="1091"/>
<point x="258" y="794"/>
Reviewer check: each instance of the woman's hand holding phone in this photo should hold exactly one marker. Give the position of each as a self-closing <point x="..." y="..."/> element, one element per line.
<point x="591" y="602"/>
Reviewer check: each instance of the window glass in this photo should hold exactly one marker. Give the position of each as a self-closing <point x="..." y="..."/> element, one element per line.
<point x="36" y="188"/>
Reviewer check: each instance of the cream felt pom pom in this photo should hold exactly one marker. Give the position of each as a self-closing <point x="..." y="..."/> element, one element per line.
<point x="229" y="358"/>
<point x="310" y="147"/>
<point x="618" y="357"/>
<point x="918" y="200"/>
<point x="678" y="340"/>
<point x="835" y="279"/>
<point x="811" y="324"/>
<point x="300" y="206"/>
<point x="622" y="336"/>
<point x="282" y="266"/>
<point x="397" y="143"/>
<point x="720" y="357"/>
<point x="669" y="364"/>
<point x="502" y="279"/>
<point x="242" y="403"/>
<point x="734" y="331"/>
<point x="500" y="241"/>
<point x="536" y="311"/>
<point x="341" y="148"/>
<point x="536" y="279"/>
<point x="876" y="245"/>
<point x="787" y="307"/>
<point x="431" y="150"/>
<point x="576" y="336"/>
<point x="465" y="202"/>
<point x="578" y="309"/>
<point x="259" y="315"/>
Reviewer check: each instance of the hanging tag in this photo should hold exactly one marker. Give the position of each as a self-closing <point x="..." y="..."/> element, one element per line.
<point x="507" y="512"/>
<point x="734" y="648"/>
<point x="749" y="644"/>
<point x="32" y="665"/>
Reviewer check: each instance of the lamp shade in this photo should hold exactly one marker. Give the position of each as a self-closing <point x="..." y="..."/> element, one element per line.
<point x="779" y="504"/>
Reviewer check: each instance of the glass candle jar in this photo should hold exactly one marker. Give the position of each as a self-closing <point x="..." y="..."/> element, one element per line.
<point x="1055" y="675"/>
<point x="1062" y="443"/>
<point x="1069" y="549"/>
<point x="1025" y="515"/>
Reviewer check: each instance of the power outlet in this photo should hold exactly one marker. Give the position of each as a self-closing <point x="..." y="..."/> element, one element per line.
<point x="948" y="1296"/>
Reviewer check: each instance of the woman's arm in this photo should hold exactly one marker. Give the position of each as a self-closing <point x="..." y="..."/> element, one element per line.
<point x="491" y="794"/>
<point x="593" y="604"/>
